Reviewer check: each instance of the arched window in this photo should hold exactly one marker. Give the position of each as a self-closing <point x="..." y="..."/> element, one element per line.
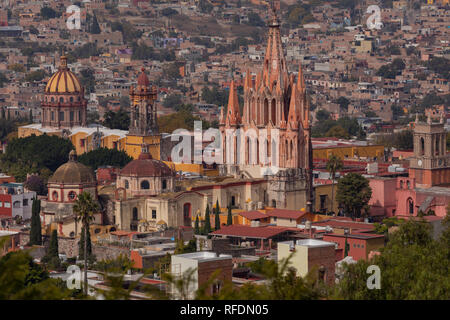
<point x="145" y="185"/>
<point x="422" y="146"/>
<point x="291" y="155"/>
<point x="274" y="204"/>
<point x="53" y="99"/>
<point x="72" y="234"/>
<point x="135" y="213"/>
<point x="61" y="99"/>
<point x="55" y="195"/>
<point x="408" y="184"/>
<point x="164" y="184"/>
<point x="274" y="111"/>
<point x="71" y="99"/>
<point x="401" y="184"/>
<point x="266" y="111"/>
<point x="436" y="149"/>
<point x="127" y="184"/>
<point x="286" y="150"/>
<point x="410" y="206"/>
<point x="72" y="196"/>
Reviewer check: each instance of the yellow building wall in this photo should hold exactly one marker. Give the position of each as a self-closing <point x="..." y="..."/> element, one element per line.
<point x="133" y="146"/>
<point x="326" y="189"/>
<point x="349" y="152"/>
<point x="26" y="132"/>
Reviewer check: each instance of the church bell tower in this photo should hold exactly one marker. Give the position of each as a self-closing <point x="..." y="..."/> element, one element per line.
<point x="143" y="120"/>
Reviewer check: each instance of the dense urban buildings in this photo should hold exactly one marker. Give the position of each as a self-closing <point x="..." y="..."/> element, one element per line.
<point x="217" y="149"/>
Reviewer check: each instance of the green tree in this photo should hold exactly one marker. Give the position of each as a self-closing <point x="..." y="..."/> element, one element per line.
<point x="36" y="231"/>
<point x="230" y="216"/>
<point x="343" y="103"/>
<point x="35" y="154"/>
<point x="37" y="75"/>
<point x="85" y="235"/>
<point x="334" y="164"/>
<point x="337" y="132"/>
<point x="354" y="192"/>
<point x="85" y="207"/>
<point x="105" y="157"/>
<point x="95" y="27"/>
<point x="207" y="225"/>
<point x="117" y="120"/>
<point x="22" y="279"/>
<point x="48" y="13"/>
<point x="52" y="256"/>
<point x="196" y="226"/>
<point x="412" y="265"/>
<point x="217" y="219"/>
<point x="322" y="115"/>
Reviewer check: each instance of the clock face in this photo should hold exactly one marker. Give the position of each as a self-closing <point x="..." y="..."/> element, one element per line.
<point x="419" y="163"/>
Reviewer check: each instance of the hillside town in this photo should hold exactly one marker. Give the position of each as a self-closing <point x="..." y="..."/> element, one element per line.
<point x="213" y="142"/>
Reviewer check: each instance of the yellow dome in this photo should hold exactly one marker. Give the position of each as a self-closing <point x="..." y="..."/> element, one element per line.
<point x="63" y="81"/>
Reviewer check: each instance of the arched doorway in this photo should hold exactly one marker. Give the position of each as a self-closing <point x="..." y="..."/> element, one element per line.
<point x="187" y="214"/>
<point x="134" y="219"/>
<point x="410" y="206"/>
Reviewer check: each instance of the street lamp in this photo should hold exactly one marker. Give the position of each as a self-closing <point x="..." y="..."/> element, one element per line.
<point x="346" y="232"/>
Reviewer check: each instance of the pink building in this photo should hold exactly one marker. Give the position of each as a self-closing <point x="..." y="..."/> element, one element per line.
<point x="428" y="185"/>
<point x="401" y="197"/>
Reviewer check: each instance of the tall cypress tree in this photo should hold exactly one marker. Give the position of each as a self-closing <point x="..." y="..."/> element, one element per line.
<point x="217" y="219"/>
<point x="230" y="217"/>
<point x="35" y="232"/>
<point x="52" y="254"/>
<point x="207" y="227"/>
<point x="81" y="245"/>
<point x="196" y="227"/>
<point x="95" y="27"/>
<point x="53" y="248"/>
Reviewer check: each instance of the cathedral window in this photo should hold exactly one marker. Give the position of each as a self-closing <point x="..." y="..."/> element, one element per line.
<point x="411" y="206"/>
<point x="145" y="185"/>
<point x="72" y="196"/>
<point x="422" y="146"/>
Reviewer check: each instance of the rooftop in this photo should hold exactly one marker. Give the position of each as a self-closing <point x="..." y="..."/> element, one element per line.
<point x="204" y="256"/>
<point x="265" y="232"/>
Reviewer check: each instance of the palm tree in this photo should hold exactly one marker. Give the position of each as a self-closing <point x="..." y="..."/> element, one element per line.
<point x="334" y="164"/>
<point x="84" y="208"/>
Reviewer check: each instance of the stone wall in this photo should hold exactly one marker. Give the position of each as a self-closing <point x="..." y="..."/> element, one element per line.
<point x="109" y="252"/>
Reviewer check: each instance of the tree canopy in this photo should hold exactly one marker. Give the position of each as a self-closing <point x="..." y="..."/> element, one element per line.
<point x="354" y="193"/>
<point x="104" y="157"/>
<point x="412" y="266"/>
<point x="35" y="154"/>
<point x="117" y="120"/>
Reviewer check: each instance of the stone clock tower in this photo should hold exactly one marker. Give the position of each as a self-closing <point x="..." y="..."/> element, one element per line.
<point x="430" y="165"/>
